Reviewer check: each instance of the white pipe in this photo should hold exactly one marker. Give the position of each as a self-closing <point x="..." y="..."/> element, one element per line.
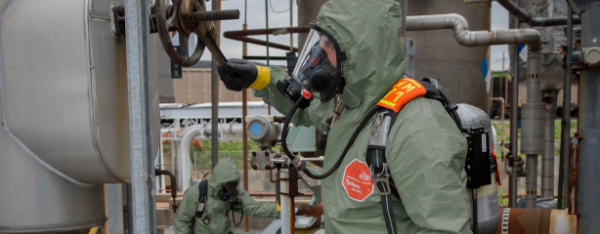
<point x="285" y="201"/>
<point x="465" y="37"/>
<point x="183" y="158"/>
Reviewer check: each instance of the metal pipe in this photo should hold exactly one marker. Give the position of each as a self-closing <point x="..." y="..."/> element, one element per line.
<point x="267" y="26"/>
<point x="242" y="35"/>
<point x="143" y="206"/>
<point x="531" y="181"/>
<point x="404" y="6"/>
<point x="214" y="97"/>
<point x="532" y="127"/>
<point x="285" y="201"/>
<point x="465" y="37"/>
<point x="173" y="185"/>
<point x="536" y="221"/>
<point x="244" y="133"/>
<point x="272" y="194"/>
<point x="566" y="116"/>
<point x="548" y="157"/>
<point x="514" y="127"/>
<point x="525" y="17"/>
<point x="214" y="15"/>
<point x="588" y="187"/>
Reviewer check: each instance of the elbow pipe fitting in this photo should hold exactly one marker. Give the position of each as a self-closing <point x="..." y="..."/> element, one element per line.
<point x="463" y="36"/>
<point x="158" y="172"/>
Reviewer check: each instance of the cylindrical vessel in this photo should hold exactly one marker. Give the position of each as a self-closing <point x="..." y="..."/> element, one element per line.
<point x="473" y="118"/>
<point x="532" y="128"/>
<point x="65" y="120"/>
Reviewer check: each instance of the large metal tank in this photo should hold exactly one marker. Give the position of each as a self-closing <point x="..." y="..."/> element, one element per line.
<point x="65" y="124"/>
<point x="552" y="39"/>
<point x="438" y="55"/>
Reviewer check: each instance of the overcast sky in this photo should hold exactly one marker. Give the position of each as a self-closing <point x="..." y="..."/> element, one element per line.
<point x="256" y="20"/>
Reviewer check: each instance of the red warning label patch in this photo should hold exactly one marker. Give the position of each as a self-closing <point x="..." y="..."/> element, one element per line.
<point x="357" y="180"/>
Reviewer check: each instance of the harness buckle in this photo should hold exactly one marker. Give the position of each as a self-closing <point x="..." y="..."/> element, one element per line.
<point x="383" y="177"/>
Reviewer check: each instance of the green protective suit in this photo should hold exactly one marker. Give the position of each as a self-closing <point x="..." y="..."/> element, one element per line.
<point x="425" y="150"/>
<point x="216" y="209"/>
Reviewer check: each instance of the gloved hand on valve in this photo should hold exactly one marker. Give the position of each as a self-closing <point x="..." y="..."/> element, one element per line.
<point x="240" y="74"/>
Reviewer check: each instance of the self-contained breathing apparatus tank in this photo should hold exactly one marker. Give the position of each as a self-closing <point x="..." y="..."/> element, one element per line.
<point x="480" y="167"/>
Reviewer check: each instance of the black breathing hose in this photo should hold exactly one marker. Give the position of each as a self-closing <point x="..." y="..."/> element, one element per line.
<point x="337" y="164"/>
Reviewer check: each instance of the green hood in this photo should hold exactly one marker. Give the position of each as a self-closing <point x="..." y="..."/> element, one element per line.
<point x="225" y="172"/>
<point x="369" y="34"/>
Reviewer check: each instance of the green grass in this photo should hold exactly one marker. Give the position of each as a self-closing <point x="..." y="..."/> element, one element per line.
<point x="557" y="128"/>
<point x="231" y="149"/>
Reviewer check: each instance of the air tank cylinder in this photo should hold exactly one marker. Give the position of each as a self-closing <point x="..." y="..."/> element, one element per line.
<point x="488" y="216"/>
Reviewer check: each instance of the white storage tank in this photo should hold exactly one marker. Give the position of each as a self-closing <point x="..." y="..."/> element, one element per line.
<point x="65" y="124"/>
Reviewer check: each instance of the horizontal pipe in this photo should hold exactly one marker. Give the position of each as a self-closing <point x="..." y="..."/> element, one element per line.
<point x="200" y="16"/>
<point x="242" y="35"/>
<point x="465" y="37"/>
<point x="264" y="57"/>
<point x="272" y="194"/>
<point x="527" y="18"/>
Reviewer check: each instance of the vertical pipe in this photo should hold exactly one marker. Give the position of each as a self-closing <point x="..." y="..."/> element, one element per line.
<point x="404" y="6"/>
<point x="291" y="25"/>
<point x="588" y="186"/>
<point x="244" y="114"/>
<point x="285" y="201"/>
<point x="548" y="158"/>
<point x="267" y="27"/>
<point x="566" y="116"/>
<point x="514" y="127"/>
<point x="214" y="98"/>
<point x="531" y="181"/>
<point x="532" y="126"/>
<point x="140" y="117"/>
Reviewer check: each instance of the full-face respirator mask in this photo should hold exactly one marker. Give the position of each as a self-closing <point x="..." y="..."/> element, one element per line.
<point x="229" y="192"/>
<point x="317" y="73"/>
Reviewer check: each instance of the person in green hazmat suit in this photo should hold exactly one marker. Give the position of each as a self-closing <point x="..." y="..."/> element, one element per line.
<point x="353" y="52"/>
<point x="222" y="186"/>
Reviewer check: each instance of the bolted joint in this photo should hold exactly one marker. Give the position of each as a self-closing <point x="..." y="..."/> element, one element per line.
<point x="298" y="164"/>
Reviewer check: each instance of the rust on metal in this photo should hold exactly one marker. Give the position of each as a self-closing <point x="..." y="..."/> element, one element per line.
<point x="562" y="222"/>
<point x="171" y="175"/>
<point x="242" y="35"/>
<point x="526" y="221"/>
<point x="573" y="173"/>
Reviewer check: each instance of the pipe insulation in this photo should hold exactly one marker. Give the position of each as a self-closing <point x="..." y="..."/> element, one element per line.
<point x="463" y="36"/>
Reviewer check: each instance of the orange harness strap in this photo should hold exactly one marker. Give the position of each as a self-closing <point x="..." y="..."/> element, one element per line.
<point x="404" y="91"/>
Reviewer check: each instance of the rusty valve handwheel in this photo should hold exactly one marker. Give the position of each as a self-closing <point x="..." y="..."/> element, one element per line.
<point x="180" y="21"/>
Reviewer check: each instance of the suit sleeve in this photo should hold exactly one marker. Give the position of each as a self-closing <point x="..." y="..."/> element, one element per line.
<point x="187" y="210"/>
<point x="315" y="114"/>
<point x="426" y="154"/>
<point x="256" y="209"/>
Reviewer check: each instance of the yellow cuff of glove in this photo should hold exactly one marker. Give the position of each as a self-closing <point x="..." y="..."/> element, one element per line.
<point x="263" y="78"/>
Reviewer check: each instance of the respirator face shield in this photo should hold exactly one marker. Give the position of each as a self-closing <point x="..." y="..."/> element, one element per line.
<point x="229" y="191"/>
<point x="319" y="65"/>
